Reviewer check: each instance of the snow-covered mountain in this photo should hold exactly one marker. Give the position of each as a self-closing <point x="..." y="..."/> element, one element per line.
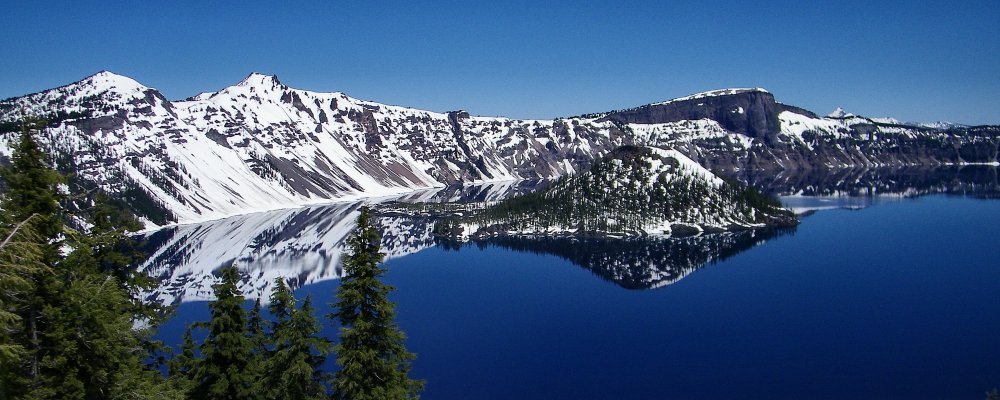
<point x="839" y="113"/>
<point x="260" y="145"/>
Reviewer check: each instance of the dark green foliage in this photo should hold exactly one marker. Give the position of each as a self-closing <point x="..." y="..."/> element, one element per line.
<point x="374" y="363"/>
<point x="108" y="249"/>
<point x="31" y="206"/>
<point x="90" y="350"/>
<point x="226" y="372"/>
<point x="77" y="337"/>
<point x="20" y="261"/>
<point x="282" y="305"/>
<point x="182" y="369"/>
<point x="993" y="395"/>
<point x="31" y="189"/>
<point x="241" y="359"/>
<point x="295" y="365"/>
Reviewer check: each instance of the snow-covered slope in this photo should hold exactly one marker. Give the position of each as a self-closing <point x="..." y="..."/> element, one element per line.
<point x="260" y="145"/>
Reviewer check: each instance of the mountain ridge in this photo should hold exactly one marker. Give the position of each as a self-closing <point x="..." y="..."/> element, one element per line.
<point x="259" y="144"/>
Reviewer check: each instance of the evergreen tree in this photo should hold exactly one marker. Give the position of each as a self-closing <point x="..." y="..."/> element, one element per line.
<point x="20" y="260"/>
<point x="226" y="371"/>
<point x="374" y="363"/>
<point x="116" y="253"/>
<point x="255" y="328"/>
<point x="295" y="365"/>
<point x="30" y="206"/>
<point x="32" y="189"/>
<point x="182" y="368"/>
<point x="91" y="349"/>
<point x="78" y="322"/>
<point x="282" y="305"/>
<point x="259" y="347"/>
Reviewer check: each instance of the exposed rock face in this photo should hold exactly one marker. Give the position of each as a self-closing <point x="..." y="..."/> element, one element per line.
<point x="750" y="112"/>
<point x="260" y="145"/>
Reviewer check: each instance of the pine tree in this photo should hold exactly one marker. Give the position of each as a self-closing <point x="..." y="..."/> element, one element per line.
<point x="20" y="260"/>
<point x="226" y="370"/>
<point x="78" y="321"/>
<point x="259" y="348"/>
<point x="295" y="365"/>
<point x="31" y="206"/>
<point x="183" y="367"/>
<point x="116" y="253"/>
<point x="90" y="348"/>
<point x="282" y="304"/>
<point x="374" y="364"/>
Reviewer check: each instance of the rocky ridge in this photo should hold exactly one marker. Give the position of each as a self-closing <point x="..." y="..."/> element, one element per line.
<point x="261" y="145"/>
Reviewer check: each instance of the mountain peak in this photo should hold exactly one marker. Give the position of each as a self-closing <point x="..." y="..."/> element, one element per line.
<point x="106" y="80"/>
<point x="256" y="79"/>
<point x="839" y="113"/>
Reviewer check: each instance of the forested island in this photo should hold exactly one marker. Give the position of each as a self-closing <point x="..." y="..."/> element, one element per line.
<point x="632" y="191"/>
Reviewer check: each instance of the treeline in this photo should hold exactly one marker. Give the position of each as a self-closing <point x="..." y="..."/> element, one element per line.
<point x="73" y="324"/>
<point x="624" y="193"/>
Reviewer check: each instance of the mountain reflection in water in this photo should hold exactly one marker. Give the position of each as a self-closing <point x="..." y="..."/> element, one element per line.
<point x="305" y="245"/>
<point x="641" y="263"/>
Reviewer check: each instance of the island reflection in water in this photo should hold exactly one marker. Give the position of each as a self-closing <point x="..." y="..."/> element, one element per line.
<point x="305" y="245"/>
<point x="639" y="263"/>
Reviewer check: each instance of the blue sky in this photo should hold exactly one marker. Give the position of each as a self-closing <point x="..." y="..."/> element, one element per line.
<point x="911" y="60"/>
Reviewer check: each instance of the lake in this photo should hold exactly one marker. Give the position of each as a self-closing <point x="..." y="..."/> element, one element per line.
<point x="890" y="297"/>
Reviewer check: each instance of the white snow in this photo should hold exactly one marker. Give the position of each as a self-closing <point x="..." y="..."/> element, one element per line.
<point x="712" y="93"/>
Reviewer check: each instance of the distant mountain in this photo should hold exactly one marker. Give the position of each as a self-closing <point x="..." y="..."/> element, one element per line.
<point x="260" y="145"/>
<point x="839" y="113"/>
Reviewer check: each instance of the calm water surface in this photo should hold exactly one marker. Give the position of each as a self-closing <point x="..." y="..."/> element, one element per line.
<point x="896" y="300"/>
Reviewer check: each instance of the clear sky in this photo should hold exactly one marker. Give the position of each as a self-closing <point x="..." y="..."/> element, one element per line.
<point x="922" y="61"/>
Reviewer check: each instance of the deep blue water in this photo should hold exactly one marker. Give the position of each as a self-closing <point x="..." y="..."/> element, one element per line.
<point x="897" y="300"/>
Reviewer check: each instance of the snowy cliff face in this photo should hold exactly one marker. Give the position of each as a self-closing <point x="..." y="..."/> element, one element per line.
<point x="260" y="145"/>
<point x="746" y="129"/>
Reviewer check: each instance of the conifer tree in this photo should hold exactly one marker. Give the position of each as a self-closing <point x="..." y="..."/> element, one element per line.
<point x="295" y="365"/>
<point x="226" y="371"/>
<point x="374" y="364"/>
<point x="282" y="304"/>
<point x="31" y="206"/>
<point x="20" y="260"/>
<point x="115" y="253"/>
<point x="259" y="348"/>
<point x="182" y="368"/>
<point x="78" y="322"/>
